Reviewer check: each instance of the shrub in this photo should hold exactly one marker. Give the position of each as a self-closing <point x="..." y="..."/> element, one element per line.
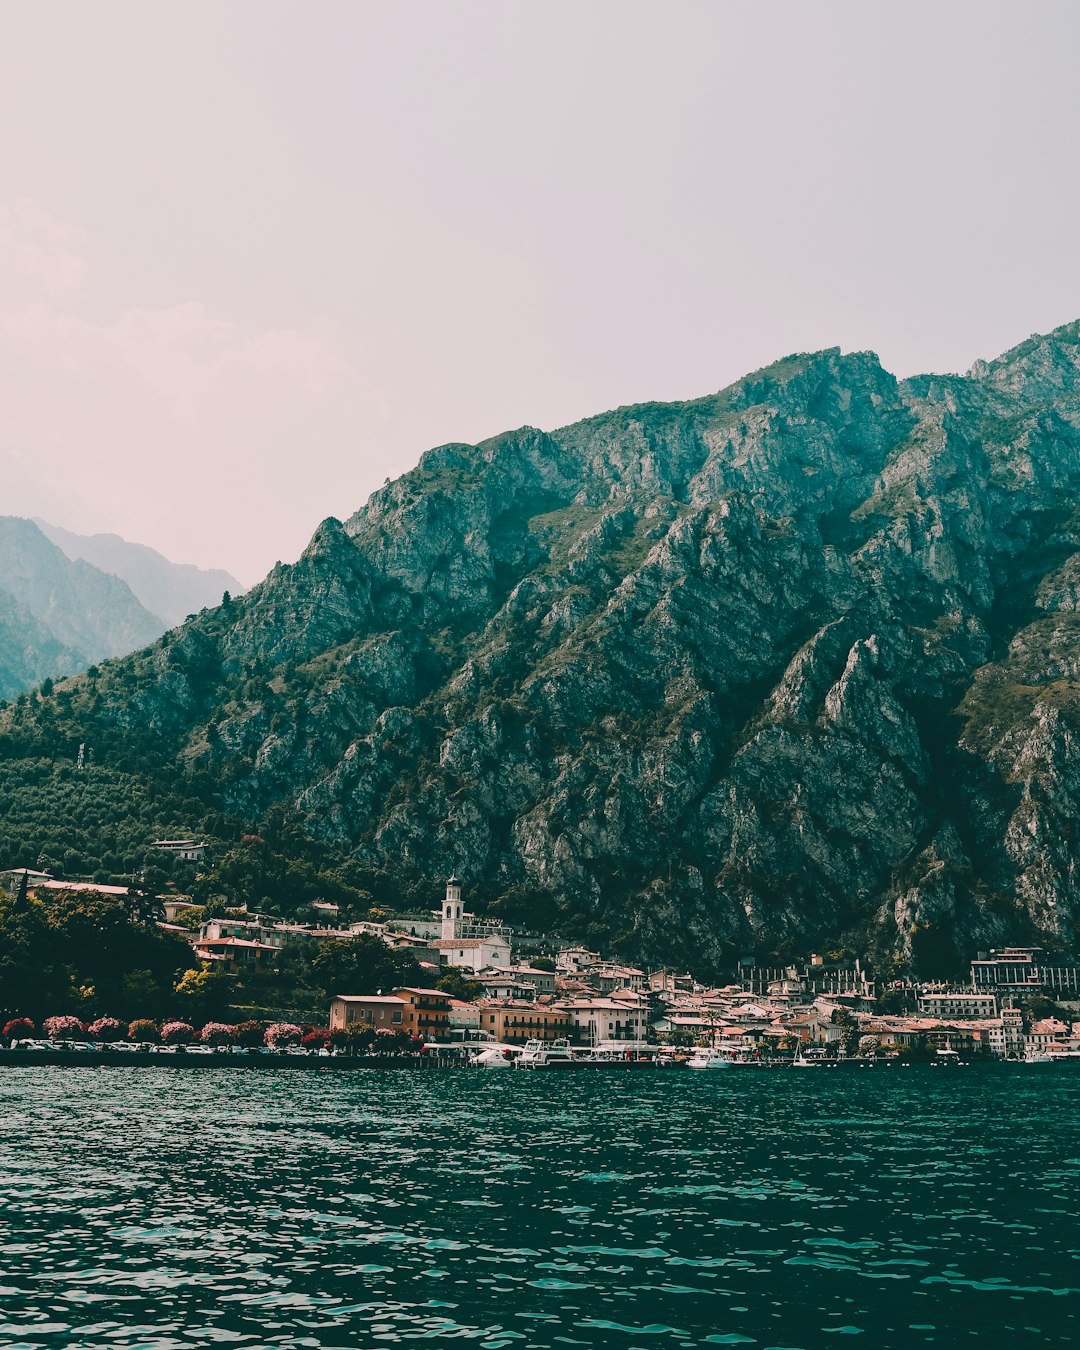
<point x="250" y="1034"/>
<point x="388" y="1039"/>
<point x="280" y="1034"/>
<point x="63" y="1029"/>
<point x="217" y="1033"/>
<point x="105" y="1029"/>
<point x="142" y="1029"/>
<point x="19" y="1029"/>
<point x="357" y="1036"/>
<point x="177" y="1033"/>
<point x="315" y="1040"/>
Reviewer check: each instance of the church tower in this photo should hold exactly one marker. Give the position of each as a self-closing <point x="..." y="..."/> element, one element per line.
<point x="452" y="909"/>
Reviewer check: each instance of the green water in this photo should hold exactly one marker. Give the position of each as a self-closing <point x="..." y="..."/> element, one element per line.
<point x="165" y="1208"/>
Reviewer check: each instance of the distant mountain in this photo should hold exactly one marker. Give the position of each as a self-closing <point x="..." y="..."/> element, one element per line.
<point x="170" y="590"/>
<point x="28" y="652"/>
<point x="793" y="666"/>
<point x="85" y="609"/>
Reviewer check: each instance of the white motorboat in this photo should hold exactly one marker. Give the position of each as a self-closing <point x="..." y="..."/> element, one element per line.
<point x="709" y="1059"/>
<point x="554" y="1054"/>
<point x="493" y="1057"/>
<point x="728" y="1057"/>
<point x="1038" y="1057"/>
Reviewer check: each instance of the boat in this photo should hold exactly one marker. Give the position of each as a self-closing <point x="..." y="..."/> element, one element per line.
<point x="730" y="1057"/>
<point x="709" y="1059"/>
<point x="554" y="1054"/>
<point x="493" y="1057"/>
<point x="948" y="1056"/>
<point x="1038" y="1057"/>
<point x="803" y="1061"/>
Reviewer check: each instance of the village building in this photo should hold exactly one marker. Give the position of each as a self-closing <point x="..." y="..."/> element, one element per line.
<point x="187" y="850"/>
<point x="16" y="877"/>
<point x="380" y="1011"/>
<point x="177" y="905"/>
<point x="939" y="1003"/>
<point x="235" y="953"/>
<point x="542" y="981"/>
<point x="463" y="1016"/>
<point x="1024" y="970"/>
<point x="607" y="977"/>
<point x="515" y="1021"/>
<point x="605" y="1019"/>
<point x="495" y="984"/>
<point x="426" y="1013"/>
<point x="573" y="960"/>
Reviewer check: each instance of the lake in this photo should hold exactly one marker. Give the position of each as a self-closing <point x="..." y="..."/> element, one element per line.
<point x="161" y="1208"/>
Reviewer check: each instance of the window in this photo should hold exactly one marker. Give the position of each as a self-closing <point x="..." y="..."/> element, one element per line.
<point x="395" y="1016"/>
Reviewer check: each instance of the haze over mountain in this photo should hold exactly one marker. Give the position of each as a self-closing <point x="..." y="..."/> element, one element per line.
<point x="792" y="664"/>
<point x="59" y="613"/>
<point x="170" y="590"/>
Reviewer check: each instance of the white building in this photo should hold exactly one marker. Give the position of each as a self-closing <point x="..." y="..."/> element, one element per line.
<point x="605" y="1019"/>
<point x="944" y="1004"/>
<point x="187" y="849"/>
<point x="467" y="945"/>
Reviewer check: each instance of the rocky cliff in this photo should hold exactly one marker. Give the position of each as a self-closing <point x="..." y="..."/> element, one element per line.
<point x="791" y="665"/>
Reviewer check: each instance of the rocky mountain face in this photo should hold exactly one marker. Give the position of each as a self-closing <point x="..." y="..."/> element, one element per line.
<point x="794" y="665"/>
<point x="67" y="608"/>
<point x="171" y="591"/>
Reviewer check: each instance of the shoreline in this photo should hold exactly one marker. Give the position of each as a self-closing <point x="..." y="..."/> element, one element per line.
<point x="68" y="1059"/>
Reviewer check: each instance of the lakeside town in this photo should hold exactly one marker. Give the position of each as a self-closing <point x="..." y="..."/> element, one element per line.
<point x="481" y="985"/>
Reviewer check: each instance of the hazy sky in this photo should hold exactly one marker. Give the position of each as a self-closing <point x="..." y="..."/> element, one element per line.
<point x="256" y="257"/>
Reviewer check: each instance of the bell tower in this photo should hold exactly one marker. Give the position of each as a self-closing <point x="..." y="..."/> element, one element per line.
<point x="452" y="910"/>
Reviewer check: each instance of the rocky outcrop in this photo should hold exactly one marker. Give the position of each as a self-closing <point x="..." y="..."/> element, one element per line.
<point x="791" y="665"/>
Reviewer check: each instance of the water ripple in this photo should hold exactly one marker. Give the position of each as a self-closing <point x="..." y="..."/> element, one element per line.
<point x="146" y="1209"/>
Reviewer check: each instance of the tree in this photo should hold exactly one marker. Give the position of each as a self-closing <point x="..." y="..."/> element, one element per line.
<point x="250" y="1034"/>
<point x="361" y="965"/>
<point x="204" y="994"/>
<point x="1040" y="1006"/>
<point x="458" y="985"/>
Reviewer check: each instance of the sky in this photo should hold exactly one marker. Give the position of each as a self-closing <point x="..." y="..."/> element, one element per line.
<point x="256" y="257"/>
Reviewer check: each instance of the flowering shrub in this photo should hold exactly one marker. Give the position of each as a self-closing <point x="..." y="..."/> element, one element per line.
<point x="63" y="1028"/>
<point x="19" y="1029"/>
<point x="280" y="1034"/>
<point x="177" y="1033"/>
<point x="105" y="1029"/>
<point x="217" y="1033"/>
<point x="250" y="1034"/>
<point x="393" y="1039"/>
<point x="315" y="1040"/>
<point x="142" y="1029"/>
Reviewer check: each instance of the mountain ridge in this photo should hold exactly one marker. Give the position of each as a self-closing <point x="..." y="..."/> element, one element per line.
<point x="792" y="664"/>
<point x="170" y="591"/>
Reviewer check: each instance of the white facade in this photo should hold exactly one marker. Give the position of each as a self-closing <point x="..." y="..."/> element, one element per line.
<point x="474" y="954"/>
<point x="958" y="1005"/>
<point x="452" y="911"/>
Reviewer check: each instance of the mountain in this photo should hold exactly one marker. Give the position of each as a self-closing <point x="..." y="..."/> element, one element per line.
<point x="71" y="603"/>
<point x="791" y="666"/>
<point x="169" y="590"/>
<point x="28" y="652"/>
